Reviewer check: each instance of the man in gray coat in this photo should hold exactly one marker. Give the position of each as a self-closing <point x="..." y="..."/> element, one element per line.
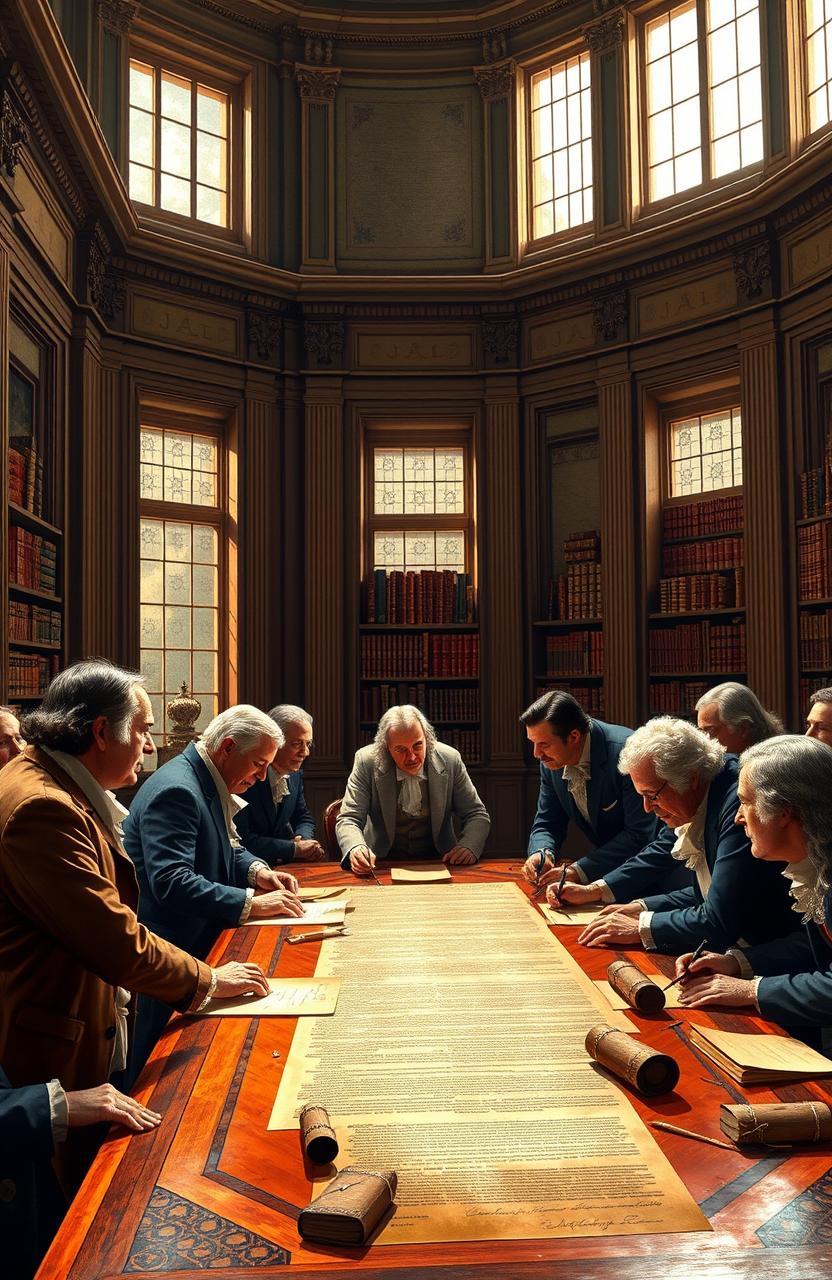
<point x="402" y="796"/>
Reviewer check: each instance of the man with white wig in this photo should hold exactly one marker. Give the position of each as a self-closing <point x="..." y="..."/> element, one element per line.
<point x="403" y="796"/>
<point x="689" y="782"/>
<point x="195" y="877"/>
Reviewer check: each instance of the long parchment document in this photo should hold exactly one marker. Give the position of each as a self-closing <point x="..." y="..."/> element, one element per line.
<point x="456" y="1057"/>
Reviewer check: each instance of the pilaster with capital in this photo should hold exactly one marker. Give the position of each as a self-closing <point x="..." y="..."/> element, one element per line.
<point x="621" y="592"/>
<point x="316" y="87"/>
<point x="606" y="40"/>
<point x="497" y="84"/>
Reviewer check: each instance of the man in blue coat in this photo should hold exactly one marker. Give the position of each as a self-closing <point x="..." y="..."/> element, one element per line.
<point x="689" y="782"/>
<point x="276" y="824"/>
<point x="580" y="783"/>
<point x="195" y="877"/>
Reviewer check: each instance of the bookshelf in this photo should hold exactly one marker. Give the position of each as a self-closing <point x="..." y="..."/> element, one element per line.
<point x="34" y="541"/>
<point x="568" y="643"/>
<point x="814" y="574"/>
<point x="420" y="644"/>
<point x="697" y="632"/>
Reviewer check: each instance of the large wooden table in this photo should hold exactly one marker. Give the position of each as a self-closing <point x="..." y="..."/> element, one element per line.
<point x="212" y="1189"/>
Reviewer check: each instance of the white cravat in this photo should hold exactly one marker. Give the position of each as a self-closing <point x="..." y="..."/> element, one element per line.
<point x="279" y="784"/>
<point x="804" y="889"/>
<point x="576" y="777"/>
<point x="690" y="847"/>
<point x="231" y="805"/>
<point x="410" y="796"/>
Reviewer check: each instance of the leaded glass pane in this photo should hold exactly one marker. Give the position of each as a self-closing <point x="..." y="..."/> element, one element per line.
<point x="205" y="673"/>
<point x="176" y="150"/>
<point x="205" y="584"/>
<point x="177" y="627"/>
<point x="716" y="432"/>
<point x="210" y="160"/>
<point x="150" y="480"/>
<point x="205" y="628"/>
<point x="450" y="496"/>
<point x="175" y="195"/>
<point x="177" y="670"/>
<point x="151" y="539"/>
<point x="685" y="438"/>
<point x="211" y="206"/>
<point x="206" y="544"/>
<point x="141" y="85"/>
<point x="177" y="485"/>
<point x="204" y="490"/>
<point x="141" y="136"/>
<point x="177" y="541"/>
<point x="450" y="551"/>
<point x="211" y="110"/>
<point x="150" y="624"/>
<point x="151" y="665"/>
<point x="151" y="582"/>
<point x="418" y="498"/>
<point x="204" y="451"/>
<point x="177" y="584"/>
<point x="141" y="184"/>
<point x="388" y="465"/>
<point x="706" y="453"/>
<point x="388" y="550"/>
<point x="420" y="551"/>
<point x="152" y="446"/>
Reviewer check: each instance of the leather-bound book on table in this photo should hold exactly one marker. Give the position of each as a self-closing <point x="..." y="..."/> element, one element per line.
<point x="351" y="1207"/>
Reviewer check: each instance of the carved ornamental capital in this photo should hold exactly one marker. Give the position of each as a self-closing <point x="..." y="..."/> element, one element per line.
<point x="13" y="134"/>
<point x="105" y="288"/>
<point x="609" y="316"/>
<point x="606" y="34"/>
<point x="118" y="15"/>
<point x="499" y="340"/>
<point x="264" y="330"/>
<point x="315" y="85"/>
<point x="324" y="340"/>
<point x="752" y="269"/>
<point x="496" y="80"/>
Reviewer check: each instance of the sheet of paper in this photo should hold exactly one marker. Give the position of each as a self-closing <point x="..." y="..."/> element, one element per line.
<point x="456" y="1056"/>
<point x="767" y="1053"/>
<point x="325" y="891"/>
<point x="571" y="915"/>
<point x="313" y="913"/>
<point x="287" y="998"/>
<point x="615" y="1001"/>
<point x="420" y="873"/>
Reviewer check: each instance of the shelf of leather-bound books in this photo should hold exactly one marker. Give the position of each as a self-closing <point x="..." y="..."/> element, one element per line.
<point x="30" y="520"/>
<point x="387" y="627"/>
<point x="18" y="588"/>
<point x="676" y="695"/>
<point x="553" y="624"/>
<point x="697" y="613"/>
<point x="568" y="675"/>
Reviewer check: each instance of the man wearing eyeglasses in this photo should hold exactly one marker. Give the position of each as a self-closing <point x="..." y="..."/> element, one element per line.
<point x="689" y="782"/>
<point x="276" y="824"/>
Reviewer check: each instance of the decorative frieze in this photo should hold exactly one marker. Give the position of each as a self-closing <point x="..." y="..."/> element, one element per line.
<point x="752" y="269"/>
<point x="118" y="15"/>
<point x="13" y="134"/>
<point x="609" y="316"/>
<point x="496" y="80"/>
<point x="324" y="340"/>
<point x="316" y="85"/>
<point x="499" y="340"/>
<point x="606" y="34"/>
<point x="264" y="330"/>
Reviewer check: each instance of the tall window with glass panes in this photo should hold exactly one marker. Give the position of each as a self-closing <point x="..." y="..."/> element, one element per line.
<point x="419" y="637"/>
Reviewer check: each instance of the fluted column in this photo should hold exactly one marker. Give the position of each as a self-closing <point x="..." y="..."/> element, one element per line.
<point x="260" y="598"/>
<point x="326" y="678"/>
<point x="766" y="538"/>
<point x="623" y="624"/>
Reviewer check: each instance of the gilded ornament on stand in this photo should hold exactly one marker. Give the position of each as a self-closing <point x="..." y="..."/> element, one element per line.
<point x="183" y="711"/>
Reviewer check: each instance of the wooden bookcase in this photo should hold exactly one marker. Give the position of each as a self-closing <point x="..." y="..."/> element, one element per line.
<point x="35" y="544"/>
<point x="814" y="566"/>
<point x="568" y="644"/>
<point x="696" y="632"/>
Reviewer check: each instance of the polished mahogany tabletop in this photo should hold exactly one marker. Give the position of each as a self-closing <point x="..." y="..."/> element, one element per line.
<point x="213" y="1190"/>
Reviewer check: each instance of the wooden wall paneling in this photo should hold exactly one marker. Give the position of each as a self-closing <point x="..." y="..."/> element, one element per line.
<point x="96" y="500"/>
<point x="621" y="580"/>
<point x="766" y="534"/>
<point x="326" y="674"/>
<point x="288" y="528"/>
<point x="261" y="583"/>
<point x="503" y="611"/>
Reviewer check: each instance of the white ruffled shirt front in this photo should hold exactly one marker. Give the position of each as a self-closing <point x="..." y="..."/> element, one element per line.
<point x="410" y="796"/>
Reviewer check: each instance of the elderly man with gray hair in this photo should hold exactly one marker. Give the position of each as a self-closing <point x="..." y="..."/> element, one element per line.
<point x="733" y="714"/>
<point x="195" y="877"/>
<point x="276" y="824"/>
<point x="688" y="781"/>
<point x="785" y="794"/>
<point x="402" y="796"/>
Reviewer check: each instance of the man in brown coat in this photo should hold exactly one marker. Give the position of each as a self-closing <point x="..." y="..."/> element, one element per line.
<point x="71" y="947"/>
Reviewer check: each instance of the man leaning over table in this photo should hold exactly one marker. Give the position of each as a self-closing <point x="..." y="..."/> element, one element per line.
<point x="275" y="824"/>
<point x="688" y="781"/>
<point x="195" y="877"/>
<point x="404" y="793"/>
<point x="580" y="783"/>
<point x="71" y="947"/>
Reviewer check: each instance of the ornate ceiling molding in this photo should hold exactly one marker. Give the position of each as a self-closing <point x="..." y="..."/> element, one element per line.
<point x="11" y="76"/>
<point x="14" y="135"/>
